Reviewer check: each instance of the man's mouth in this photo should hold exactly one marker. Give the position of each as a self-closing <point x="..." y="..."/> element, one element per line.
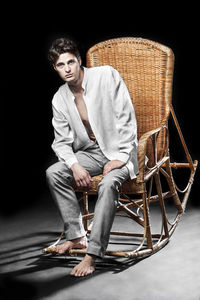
<point x="68" y="75"/>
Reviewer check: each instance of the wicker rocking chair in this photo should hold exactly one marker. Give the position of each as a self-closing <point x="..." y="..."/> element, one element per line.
<point x="147" y="69"/>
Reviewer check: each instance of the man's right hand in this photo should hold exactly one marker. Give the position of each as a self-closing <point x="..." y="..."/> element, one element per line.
<point x="81" y="175"/>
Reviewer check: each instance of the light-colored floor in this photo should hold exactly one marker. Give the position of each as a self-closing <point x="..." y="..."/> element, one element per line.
<point x="171" y="274"/>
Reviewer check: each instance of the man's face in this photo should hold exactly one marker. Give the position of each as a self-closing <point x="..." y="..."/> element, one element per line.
<point x="68" y="67"/>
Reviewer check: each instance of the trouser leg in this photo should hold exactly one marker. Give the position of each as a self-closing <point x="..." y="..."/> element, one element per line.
<point x="59" y="179"/>
<point x="105" y="210"/>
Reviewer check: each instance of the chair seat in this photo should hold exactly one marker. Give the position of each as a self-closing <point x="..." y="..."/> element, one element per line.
<point x="130" y="186"/>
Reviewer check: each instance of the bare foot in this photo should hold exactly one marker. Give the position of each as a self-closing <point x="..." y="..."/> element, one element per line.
<point x="79" y="243"/>
<point x="85" y="267"/>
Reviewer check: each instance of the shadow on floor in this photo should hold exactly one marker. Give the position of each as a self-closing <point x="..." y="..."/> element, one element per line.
<point x="12" y="284"/>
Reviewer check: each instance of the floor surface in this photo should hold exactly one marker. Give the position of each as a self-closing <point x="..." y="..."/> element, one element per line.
<point x="171" y="274"/>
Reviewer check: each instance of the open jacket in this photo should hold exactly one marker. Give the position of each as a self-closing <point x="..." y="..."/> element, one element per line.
<point x="110" y="113"/>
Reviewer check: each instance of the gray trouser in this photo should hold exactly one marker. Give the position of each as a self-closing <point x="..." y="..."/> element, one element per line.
<point x="59" y="178"/>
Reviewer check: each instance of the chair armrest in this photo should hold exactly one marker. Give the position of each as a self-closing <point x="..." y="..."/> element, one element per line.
<point x="142" y="146"/>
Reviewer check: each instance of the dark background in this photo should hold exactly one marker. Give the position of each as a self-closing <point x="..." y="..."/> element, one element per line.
<point x="28" y="82"/>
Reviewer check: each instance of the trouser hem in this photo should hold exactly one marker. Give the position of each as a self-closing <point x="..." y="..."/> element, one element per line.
<point x="95" y="250"/>
<point x="74" y="235"/>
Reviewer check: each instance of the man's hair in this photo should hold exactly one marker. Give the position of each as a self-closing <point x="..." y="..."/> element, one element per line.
<point x="60" y="46"/>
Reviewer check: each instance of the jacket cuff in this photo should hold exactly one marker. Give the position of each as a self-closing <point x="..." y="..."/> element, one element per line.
<point x="71" y="161"/>
<point x="123" y="157"/>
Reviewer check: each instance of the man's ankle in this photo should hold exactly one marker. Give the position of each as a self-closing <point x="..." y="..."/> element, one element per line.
<point x="90" y="257"/>
<point x="77" y="240"/>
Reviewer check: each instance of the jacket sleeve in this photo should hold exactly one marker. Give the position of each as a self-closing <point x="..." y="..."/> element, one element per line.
<point x="125" y="116"/>
<point x="63" y="137"/>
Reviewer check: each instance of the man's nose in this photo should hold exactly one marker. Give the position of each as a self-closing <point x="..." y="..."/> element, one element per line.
<point x="67" y="68"/>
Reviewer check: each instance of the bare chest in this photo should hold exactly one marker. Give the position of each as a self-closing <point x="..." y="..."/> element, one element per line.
<point x="81" y="106"/>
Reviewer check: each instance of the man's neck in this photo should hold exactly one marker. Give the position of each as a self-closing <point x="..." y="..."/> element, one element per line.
<point x="76" y="87"/>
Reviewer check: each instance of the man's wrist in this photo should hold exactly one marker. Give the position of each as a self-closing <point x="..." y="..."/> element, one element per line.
<point x="71" y="161"/>
<point x="74" y="165"/>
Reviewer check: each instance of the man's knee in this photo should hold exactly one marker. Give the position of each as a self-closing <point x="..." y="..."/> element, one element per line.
<point x="108" y="191"/>
<point x="108" y="183"/>
<point x="51" y="173"/>
<point x="57" y="171"/>
<point x="114" y="179"/>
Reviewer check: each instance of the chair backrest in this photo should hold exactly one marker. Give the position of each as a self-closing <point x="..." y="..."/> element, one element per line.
<point x="147" y="69"/>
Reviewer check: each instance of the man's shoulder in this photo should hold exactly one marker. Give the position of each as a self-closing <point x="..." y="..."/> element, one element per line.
<point x="100" y="70"/>
<point x="58" y="93"/>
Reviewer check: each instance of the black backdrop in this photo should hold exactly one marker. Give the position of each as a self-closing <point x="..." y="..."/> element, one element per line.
<point x="29" y="82"/>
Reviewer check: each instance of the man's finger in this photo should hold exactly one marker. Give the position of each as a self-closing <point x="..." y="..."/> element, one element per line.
<point x="84" y="183"/>
<point x="78" y="182"/>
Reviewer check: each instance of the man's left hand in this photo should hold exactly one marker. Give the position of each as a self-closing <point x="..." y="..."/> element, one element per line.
<point x="111" y="165"/>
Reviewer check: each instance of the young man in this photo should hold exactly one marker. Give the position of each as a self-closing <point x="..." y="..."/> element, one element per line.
<point x="95" y="133"/>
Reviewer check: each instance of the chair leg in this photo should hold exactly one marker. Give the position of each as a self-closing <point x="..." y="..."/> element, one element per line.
<point x="172" y="188"/>
<point x="147" y="221"/>
<point x="85" y="210"/>
<point x="162" y="206"/>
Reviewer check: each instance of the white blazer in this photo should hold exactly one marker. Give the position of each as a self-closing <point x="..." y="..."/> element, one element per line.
<point x="110" y="113"/>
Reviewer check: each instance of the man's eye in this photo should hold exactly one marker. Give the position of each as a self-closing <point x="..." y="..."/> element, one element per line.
<point x="60" y="65"/>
